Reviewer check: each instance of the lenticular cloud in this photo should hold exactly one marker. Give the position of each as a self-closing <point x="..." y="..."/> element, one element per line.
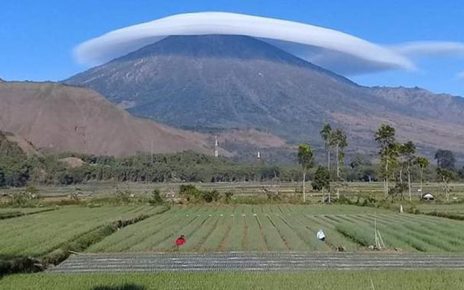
<point x="341" y="52"/>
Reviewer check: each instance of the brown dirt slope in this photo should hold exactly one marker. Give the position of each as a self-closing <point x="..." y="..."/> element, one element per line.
<point x="63" y="118"/>
<point x="24" y="145"/>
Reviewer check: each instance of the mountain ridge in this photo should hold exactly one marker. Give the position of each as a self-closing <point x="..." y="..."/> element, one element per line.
<point x="60" y="118"/>
<point x="227" y="82"/>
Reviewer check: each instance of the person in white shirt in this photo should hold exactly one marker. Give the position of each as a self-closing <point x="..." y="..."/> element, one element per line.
<point x="320" y="235"/>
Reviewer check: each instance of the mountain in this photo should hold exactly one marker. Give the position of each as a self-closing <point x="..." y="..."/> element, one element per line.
<point x="11" y="144"/>
<point x="56" y="117"/>
<point x="224" y="82"/>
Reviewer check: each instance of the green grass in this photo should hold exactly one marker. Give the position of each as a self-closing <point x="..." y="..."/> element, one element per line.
<point x="23" y="210"/>
<point x="238" y="188"/>
<point x="456" y="209"/>
<point x="405" y="232"/>
<point x="41" y="233"/>
<point x="327" y="280"/>
<point x="285" y="227"/>
<point x="230" y="228"/>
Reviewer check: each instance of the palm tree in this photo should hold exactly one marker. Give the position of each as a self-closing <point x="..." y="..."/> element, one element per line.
<point x="385" y="137"/>
<point x="305" y="159"/>
<point x="423" y="163"/>
<point x="326" y="134"/>
<point x="407" y="152"/>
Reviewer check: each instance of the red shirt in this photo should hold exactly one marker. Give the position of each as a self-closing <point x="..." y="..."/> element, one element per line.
<point x="180" y="241"/>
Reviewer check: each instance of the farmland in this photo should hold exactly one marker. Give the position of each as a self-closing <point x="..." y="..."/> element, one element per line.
<point x="350" y="189"/>
<point x="285" y="228"/>
<point x="40" y="233"/>
<point x="327" y="280"/>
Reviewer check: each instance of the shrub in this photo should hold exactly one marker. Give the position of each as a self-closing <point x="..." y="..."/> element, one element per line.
<point x="273" y="196"/>
<point x="23" y="199"/>
<point x="123" y="196"/>
<point x="228" y="196"/>
<point x="210" y="196"/>
<point x="155" y="197"/>
<point x="344" y="200"/>
<point x="189" y="191"/>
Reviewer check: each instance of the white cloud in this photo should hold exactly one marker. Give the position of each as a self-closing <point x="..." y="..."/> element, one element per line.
<point x="430" y="48"/>
<point x="341" y="52"/>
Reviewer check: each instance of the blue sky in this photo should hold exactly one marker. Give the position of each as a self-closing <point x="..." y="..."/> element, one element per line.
<point x="37" y="37"/>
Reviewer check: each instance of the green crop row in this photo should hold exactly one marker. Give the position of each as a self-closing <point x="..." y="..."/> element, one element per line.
<point x="334" y="280"/>
<point x="41" y="233"/>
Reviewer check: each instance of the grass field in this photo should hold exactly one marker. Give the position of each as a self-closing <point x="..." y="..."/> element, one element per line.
<point x="238" y="188"/>
<point x="22" y="210"/>
<point x="456" y="209"/>
<point x="40" y="233"/>
<point x="283" y="228"/>
<point x="327" y="280"/>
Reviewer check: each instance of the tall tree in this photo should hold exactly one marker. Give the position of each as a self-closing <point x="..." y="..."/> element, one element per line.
<point x="445" y="159"/>
<point x="385" y="137"/>
<point x="326" y="134"/>
<point x="423" y="163"/>
<point x="407" y="153"/>
<point x="306" y="160"/>
<point x="445" y="176"/>
<point x="338" y="141"/>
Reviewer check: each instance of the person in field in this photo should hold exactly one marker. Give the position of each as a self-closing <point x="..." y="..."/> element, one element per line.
<point x="320" y="235"/>
<point x="180" y="241"/>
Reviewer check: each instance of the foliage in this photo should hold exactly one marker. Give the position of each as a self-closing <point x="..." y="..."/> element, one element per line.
<point x="321" y="179"/>
<point x="191" y="193"/>
<point x="388" y="152"/>
<point x="306" y="160"/>
<point x="445" y="176"/>
<point x="155" y="197"/>
<point x="123" y="196"/>
<point x="339" y="141"/>
<point x="305" y="156"/>
<point x="326" y="133"/>
<point x="228" y="196"/>
<point x="210" y="196"/>
<point x="445" y="159"/>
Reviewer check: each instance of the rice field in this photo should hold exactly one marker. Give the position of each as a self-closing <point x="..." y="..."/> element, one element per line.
<point x="285" y="228"/>
<point x="41" y="233"/>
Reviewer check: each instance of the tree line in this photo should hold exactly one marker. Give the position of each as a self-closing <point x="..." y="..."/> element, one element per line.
<point x="398" y="166"/>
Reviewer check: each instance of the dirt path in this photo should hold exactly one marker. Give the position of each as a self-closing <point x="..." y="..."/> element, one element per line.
<point x="246" y="261"/>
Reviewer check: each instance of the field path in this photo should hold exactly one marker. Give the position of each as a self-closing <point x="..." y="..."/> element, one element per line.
<point x="249" y="261"/>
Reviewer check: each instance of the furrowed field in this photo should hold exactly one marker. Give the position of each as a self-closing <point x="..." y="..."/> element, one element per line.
<point x="284" y="228"/>
<point x="40" y="233"/>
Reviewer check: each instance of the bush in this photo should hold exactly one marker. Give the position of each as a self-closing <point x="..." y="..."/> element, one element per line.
<point x="273" y="196"/>
<point x="344" y="200"/>
<point x="210" y="196"/>
<point x="189" y="191"/>
<point x="228" y="196"/>
<point x="23" y="199"/>
<point x="123" y="196"/>
<point x="155" y="197"/>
